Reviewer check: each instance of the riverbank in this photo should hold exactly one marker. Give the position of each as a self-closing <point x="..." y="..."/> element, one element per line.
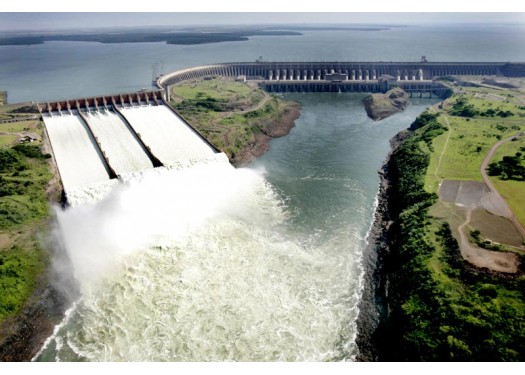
<point x="430" y="304"/>
<point x="237" y="118"/>
<point x="373" y="307"/>
<point x="277" y="128"/>
<point x="30" y="305"/>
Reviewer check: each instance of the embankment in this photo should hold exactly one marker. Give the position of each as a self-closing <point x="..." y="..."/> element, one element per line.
<point x="373" y="309"/>
<point x="30" y="304"/>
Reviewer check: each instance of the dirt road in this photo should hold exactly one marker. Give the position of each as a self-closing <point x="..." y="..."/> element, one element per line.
<point x="497" y="198"/>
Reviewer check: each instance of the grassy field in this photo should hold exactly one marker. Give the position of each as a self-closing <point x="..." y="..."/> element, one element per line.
<point x="225" y="90"/>
<point x="512" y="191"/>
<point x="229" y="114"/>
<point x="24" y="212"/>
<point x="458" y="153"/>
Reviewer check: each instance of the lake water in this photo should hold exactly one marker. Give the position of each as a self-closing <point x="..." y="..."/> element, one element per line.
<point x="270" y="267"/>
<point x="58" y="70"/>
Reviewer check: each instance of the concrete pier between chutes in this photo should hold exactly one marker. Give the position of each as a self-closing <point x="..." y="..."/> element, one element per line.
<point x="98" y="141"/>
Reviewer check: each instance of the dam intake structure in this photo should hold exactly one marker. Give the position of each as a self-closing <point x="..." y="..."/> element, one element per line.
<point x="99" y="141"/>
<point x="416" y="78"/>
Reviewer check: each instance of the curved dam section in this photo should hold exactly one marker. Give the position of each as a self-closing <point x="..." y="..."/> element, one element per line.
<point x="344" y="71"/>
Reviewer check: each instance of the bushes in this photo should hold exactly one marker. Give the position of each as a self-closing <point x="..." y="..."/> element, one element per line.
<point x="31" y="151"/>
<point x="9" y="160"/>
<point x="17" y="270"/>
<point x="23" y="176"/>
<point x="510" y="168"/>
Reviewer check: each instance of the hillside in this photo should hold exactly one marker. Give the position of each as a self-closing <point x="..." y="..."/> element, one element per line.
<point x="454" y="264"/>
<point x="235" y="117"/>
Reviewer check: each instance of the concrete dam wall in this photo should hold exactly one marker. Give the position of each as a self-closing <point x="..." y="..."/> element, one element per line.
<point x="345" y="76"/>
<point x="352" y="71"/>
<point x="99" y="144"/>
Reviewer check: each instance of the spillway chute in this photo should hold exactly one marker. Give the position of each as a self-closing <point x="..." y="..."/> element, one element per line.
<point x="110" y="139"/>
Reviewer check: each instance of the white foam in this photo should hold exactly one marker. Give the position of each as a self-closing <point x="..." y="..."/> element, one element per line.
<point x="196" y="264"/>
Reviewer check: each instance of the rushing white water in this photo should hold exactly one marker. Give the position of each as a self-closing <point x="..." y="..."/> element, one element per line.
<point x="78" y="158"/>
<point x="199" y="264"/>
<point x="123" y="151"/>
<point x="169" y="138"/>
<point x="199" y="261"/>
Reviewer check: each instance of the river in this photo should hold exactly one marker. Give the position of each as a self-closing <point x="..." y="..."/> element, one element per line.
<point x="213" y="263"/>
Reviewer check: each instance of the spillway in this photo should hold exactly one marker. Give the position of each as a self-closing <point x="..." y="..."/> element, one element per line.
<point x="107" y="140"/>
<point x="167" y="136"/>
<point x="78" y="157"/>
<point x="123" y="151"/>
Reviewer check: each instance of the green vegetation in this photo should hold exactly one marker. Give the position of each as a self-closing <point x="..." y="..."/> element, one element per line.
<point x="19" y="269"/>
<point x="511" y="190"/>
<point x="227" y="92"/>
<point x="510" y="168"/>
<point x="466" y="145"/>
<point x="465" y="107"/>
<point x="23" y="178"/>
<point x="179" y="37"/>
<point x="229" y="114"/>
<point x="470" y="139"/>
<point x="443" y="309"/>
<point x="24" y="175"/>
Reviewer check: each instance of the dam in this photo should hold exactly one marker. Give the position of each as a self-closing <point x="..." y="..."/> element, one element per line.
<point x="100" y="140"/>
<point x="413" y="77"/>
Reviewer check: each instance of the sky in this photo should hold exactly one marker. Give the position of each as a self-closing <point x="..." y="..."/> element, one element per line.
<point x="58" y="15"/>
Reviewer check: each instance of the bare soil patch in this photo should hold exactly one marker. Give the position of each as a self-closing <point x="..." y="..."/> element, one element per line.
<point x="495" y="228"/>
<point x="463" y="193"/>
<point x="475" y="206"/>
<point x="493" y="260"/>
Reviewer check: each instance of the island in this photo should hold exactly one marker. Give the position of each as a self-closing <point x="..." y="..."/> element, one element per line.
<point x="380" y="106"/>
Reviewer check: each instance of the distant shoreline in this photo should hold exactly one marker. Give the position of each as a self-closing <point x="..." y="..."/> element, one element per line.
<point x="174" y="37"/>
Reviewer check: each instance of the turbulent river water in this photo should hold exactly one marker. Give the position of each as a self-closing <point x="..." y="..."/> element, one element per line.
<point x="216" y="263"/>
